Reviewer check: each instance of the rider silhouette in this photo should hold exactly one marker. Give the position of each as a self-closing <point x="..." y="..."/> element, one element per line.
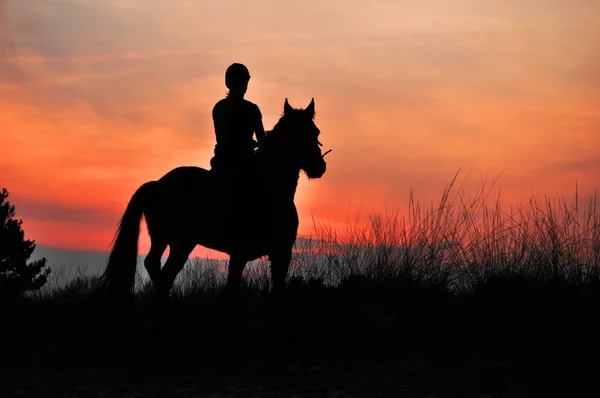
<point x="236" y="121"/>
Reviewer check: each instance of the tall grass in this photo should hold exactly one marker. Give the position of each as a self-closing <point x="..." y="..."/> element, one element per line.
<point x="462" y="242"/>
<point x="456" y="243"/>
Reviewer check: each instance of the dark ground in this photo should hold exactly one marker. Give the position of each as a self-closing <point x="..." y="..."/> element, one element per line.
<point x="360" y="340"/>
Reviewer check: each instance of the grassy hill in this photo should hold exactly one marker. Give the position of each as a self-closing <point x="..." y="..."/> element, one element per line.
<point x="458" y="299"/>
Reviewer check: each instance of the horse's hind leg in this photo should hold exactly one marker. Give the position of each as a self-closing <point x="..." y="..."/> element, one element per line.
<point x="234" y="276"/>
<point x="177" y="257"/>
<point x="152" y="261"/>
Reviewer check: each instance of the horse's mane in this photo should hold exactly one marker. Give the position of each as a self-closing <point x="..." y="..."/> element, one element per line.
<point x="277" y="128"/>
<point x="273" y="136"/>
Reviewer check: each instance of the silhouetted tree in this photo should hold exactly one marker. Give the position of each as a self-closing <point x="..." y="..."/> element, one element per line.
<point x="16" y="274"/>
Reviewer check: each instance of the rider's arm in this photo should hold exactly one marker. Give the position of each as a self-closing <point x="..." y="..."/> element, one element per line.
<point x="220" y="124"/>
<point x="259" y="129"/>
<point x="261" y="137"/>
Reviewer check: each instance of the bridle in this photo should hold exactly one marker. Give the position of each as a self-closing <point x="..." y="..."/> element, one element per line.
<point x="319" y="142"/>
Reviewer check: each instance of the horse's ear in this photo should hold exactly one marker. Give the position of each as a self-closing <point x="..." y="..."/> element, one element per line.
<point x="310" y="109"/>
<point x="287" y="108"/>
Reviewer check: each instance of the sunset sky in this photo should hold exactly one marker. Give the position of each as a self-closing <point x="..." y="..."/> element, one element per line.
<point x="100" y="96"/>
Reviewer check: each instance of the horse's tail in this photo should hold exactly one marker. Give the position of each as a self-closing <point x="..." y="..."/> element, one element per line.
<point x="119" y="276"/>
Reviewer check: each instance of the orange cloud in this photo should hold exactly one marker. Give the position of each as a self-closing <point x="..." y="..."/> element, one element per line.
<point x="97" y="98"/>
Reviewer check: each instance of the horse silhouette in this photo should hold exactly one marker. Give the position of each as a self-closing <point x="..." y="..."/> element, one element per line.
<point x="182" y="210"/>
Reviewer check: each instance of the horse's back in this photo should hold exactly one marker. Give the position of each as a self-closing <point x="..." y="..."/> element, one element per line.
<point x="185" y="186"/>
<point x="185" y="174"/>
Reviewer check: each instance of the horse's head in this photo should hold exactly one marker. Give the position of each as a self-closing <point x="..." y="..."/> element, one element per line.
<point x="297" y="137"/>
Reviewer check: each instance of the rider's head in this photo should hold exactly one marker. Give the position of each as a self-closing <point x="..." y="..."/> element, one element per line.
<point x="236" y="79"/>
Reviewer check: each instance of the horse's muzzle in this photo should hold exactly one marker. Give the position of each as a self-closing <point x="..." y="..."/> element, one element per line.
<point x="317" y="169"/>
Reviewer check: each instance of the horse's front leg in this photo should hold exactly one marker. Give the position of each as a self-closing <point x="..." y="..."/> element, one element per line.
<point x="280" y="263"/>
<point x="234" y="276"/>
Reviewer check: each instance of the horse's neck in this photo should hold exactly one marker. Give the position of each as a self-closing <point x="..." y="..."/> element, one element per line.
<point x="282" y="179"/>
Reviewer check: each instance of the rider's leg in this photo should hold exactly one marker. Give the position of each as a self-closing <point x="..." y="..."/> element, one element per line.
<point x="232" y="205"/>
